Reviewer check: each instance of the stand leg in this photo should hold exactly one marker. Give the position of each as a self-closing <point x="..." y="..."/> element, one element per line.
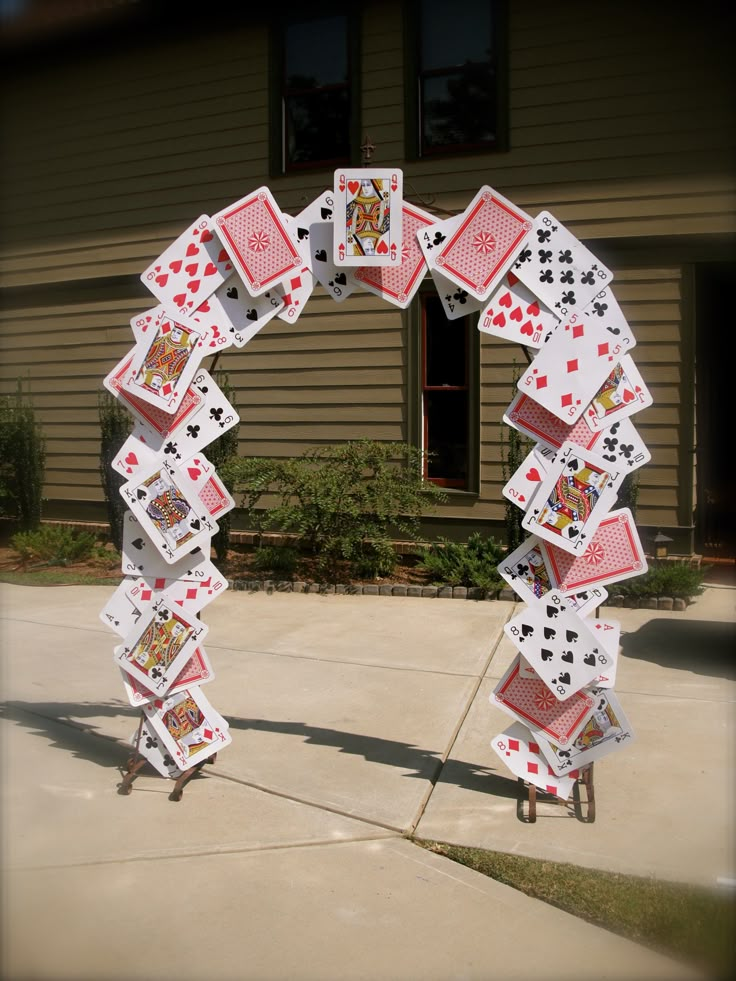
<point x="183" y="780"/>
<point x="134" y="764"/>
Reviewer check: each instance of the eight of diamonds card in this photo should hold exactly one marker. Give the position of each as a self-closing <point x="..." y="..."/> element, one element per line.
<point x="188" y="725"/>
<point x="367" y="223"/>
<point x="167" y="505"/>
<point x="488" y="238"/>
<point x="157" y="649"/>
<point x="520" y="751"/>
<point x="258" y="241"/>
<point x="398" y="284"/>
<point x="573" y="498"/>
<point x="164" y="364"/>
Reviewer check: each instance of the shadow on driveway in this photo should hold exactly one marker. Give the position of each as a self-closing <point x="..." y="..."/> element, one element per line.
<point x="702" y="646"/>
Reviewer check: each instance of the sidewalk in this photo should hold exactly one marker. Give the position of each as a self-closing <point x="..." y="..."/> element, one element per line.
<point x="355" y="721"/>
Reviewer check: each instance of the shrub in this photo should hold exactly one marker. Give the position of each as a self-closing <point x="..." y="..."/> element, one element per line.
<point x="473" y="564"/>
<point x="115" y="426"/>
<point x="22" y="460"/>
<point x="344" y="502"/>
<point x="664" y="579"/>
<point x="276" y="558"/>
<point x="220" y="453"/>
<point x="54" y="545"/>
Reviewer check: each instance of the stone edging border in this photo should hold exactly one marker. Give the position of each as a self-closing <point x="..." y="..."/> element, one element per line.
<point x="432" y="592"/>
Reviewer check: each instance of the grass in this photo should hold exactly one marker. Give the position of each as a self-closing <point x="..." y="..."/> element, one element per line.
<point x="687" y="922"/>
<point x="57" y="577"/>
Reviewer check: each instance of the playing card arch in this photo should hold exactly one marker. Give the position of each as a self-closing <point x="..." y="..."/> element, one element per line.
<point x="188" y="293"/>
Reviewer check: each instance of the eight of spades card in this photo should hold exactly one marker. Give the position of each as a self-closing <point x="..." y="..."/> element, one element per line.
<point x="622" y="393"/>
<point x="399" y="284"/>
<point x="367" y="226"/>
<point x="167" y="505"/>
<point x="608" y="632"/>
<point x="520" y="751"/>
<point x="197" y="671"/>
<point x="558" y="268"/>
<point x="607" y="730"/>
<point x="514" y="313"/>
<point x="189" y="728"/>
<point x="258" y="241"/>
<point x="531" y="701"/>
<point x="159" y="646"/>
<point x="164" y="364"/>
<point x="488" y="238"/>
<point x="561" y="647"/>
<point x="573" y="498"/>
<point x="339" y="283"/>
<point x="148" y="744"/>
<point x="190" y="269"/>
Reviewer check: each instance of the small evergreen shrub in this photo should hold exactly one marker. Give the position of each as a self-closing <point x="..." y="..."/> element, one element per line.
<point x="22" y="460"/>
<point x="115" y="426"/>
<point x="54" y="545"/>
<point x="664" y="579"/>
<point x="220" y="453"/>
<point x="281" y="559"/>
<point x="473" y="564"/>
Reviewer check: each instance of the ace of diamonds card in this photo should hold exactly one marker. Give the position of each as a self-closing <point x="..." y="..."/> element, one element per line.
<point x="368" y="221"/>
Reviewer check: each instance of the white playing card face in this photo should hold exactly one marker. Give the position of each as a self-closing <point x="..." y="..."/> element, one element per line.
<point x="338" y="282"/>
<point x="168" y="508"/>
<point x="194" y="588"/>
<point x="587" y="601"/>
<point x="213" y="494"/>
<point x="164" y="363"/>
<point x="322" y="210"/>
<point x="211" y="320"/>
<point x="606" y="731"/>
<point x="526" y="570"/>
<point x="257" y="238"/>
<point x="196" y="671"/>
<point x="190" y="269"/>
<point x="521" y="752"/>
<point x="558" y="268"/>
<point x="150" y="747"/>
<point x="121" y="613"/>
<point x="141" y="557"/>
<point x="133" y="456"/>
<point x="604" y="310"/>
<point x="562" y="648"/>
<point x="147" y="322"/>
<point x="399" y="284"/>
<point x="514" y="313"/>
<point x="298" y="286"/>
<point x="156" y="650"/>
<point x="489" y="236"/>
<point x="247" y="314"/>
<point x="621" y="394"/>
<point x="367" y="225"/>
<point x="189" y="727"/>
<point x="608" y="632"/>
<point x="573" y="498"/>
<point x="524" y="483"/>
<point x="456" y="300"/>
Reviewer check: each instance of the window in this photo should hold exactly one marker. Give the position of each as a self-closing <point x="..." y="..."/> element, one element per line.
<point x="313" y="109"/>
<point x="456" y="70"/>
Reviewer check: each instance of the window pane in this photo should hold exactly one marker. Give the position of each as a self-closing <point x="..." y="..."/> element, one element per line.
<point x="446" y="422"/>
<point x="317" y="126"/>
<point x="316" y="53"/>
<point x="445" y="340"/>
<point x="459" y="108"/>
<point x="453" y="33"/>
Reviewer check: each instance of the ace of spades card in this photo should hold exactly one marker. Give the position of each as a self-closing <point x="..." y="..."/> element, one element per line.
<point x="189" y="727"/>
<point x="367" y="226"/>
<point x="159" y="646"/>
<point x="164" y="364"/>
<point x="169" y="510"/>
<point x="573" y="498"/>
<point x="561" y="647"/>
<point x="520" y="751"/>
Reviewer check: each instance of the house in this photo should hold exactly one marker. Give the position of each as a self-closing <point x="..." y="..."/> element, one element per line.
<point x="123" y="122"/>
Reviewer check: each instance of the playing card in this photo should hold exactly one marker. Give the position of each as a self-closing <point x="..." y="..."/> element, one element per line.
<point x="147" y="321"/>
<point x="604" y="310"/>
<point x="213" y="494"/>
<point x="526" y="571"/>
<point x="168" y="508"/>
<point x="622" y="445"/>
<point x="561" y="647"/>
<point x="367" y="226"/>
<point x="141" y="557"/>
<point x="456" y="301"/>
<point x="568" y="371"/>
<point x="211" y="320"/>
<point x="622" y="393"/>
<point x="132" y="456"/>
<point x="489" y="236"/>
<point x="191" y="591"/>
<point x="586" y="601"/>
<point x="121" y="613"/>
<point x="297" y="287"/>
<point x="573" y="498"/>
<point x="524" y="482"/>
<point x="149" y="746"/>
<point x="339" y="283"/>
<point x="613" y="553"/>
<point x="159" y="646"/>
<point x="399" y="284"/>
<point x="188" y="726"/>
<point x="607" y="632"/>
<point x="190" y="269"/>
<point x="514" y="313"/>
<point x="531" y="701"/>
<point x="520" y="751"/>
<point x="321" y="210"/>
<point x="258" y="241"/>
<point x="558" y="268"/>
<point x="164" y="363"/>
<point x="197" y="671"/>
<point x="245" y="313"/>
<point x="607" y="730"/>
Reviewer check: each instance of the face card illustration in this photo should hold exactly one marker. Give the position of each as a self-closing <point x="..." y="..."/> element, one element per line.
<point x="614" y="553"/>
<point x="158" y="648"/>
<point x="514" y="313"/>
<point x="164" y="365"/>
<point x="531" y="701"/>
<point x="526" y="570"/>
<point x="524" y="483"/>
<point x="562" y="648"/>
<point x="147" y="322"/>
<point x="399" y="284"/>
<point x="622" y="393"/>
<point x="587" y="601"/>
<point x="197" y="671"/>
<point x="258" y="241"/>
<point x="190" y="269"/>
<point x="168" y="508"/>
<point x="246" y="314"/>
<point x="121" y="613"/>
<point x="573" y="499"/>
<point x="213" y="494"/>
<point x="140" y="557"/>
<point x="157" y="421"/>
<point x="606" y="731"/>
<point x="149" y="746"/>
<point x="558" y="268"/>
<point x="190" y="729"/>
<point x="339" y="283"/>
<point x="489" y="236"/>
<point x="367" y="226"/>
<point x="520" y="751"/>
<point x="567" y="372"/>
